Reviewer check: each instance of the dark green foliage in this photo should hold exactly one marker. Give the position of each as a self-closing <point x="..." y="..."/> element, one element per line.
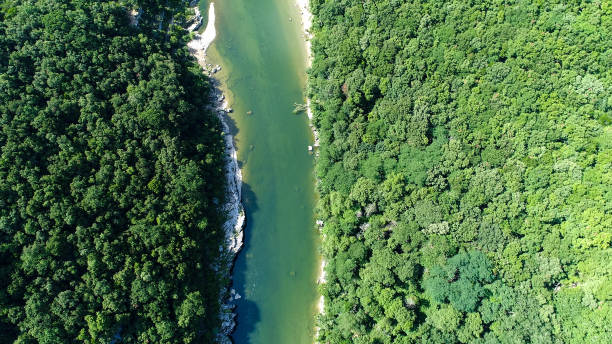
<point x="110" y="169"/>
<point x="466" y="150"/>
<point x="460" y="281"/>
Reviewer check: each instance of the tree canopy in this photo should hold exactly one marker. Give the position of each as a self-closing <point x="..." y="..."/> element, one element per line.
<point x="111" y="172"/>
<point x="464" y="170"/>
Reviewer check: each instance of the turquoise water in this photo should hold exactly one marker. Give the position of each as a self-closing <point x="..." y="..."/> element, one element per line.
<point x="264" y="67"/>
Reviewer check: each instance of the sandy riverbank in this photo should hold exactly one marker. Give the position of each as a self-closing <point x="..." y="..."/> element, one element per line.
<point x="306" y="20"/>
<point x="201" y="42"/>
<point x="236" y="218"/>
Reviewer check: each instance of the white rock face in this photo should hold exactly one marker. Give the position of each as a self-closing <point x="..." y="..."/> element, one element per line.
<point x="232" y="208"/>
<point x="134" y="16"/>
<point x="197" y="20"/>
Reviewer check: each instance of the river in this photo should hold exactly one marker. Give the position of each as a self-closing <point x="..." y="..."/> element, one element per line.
<point x="260" y="46"/>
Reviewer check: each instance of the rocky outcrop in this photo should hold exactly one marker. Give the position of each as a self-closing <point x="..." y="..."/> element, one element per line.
<point x="232" y="206"/>
<point x="195" y="22"/>
<point x="134" y="16"/>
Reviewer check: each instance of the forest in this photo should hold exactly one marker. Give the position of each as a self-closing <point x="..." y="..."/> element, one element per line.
<point x="111" y="176"/>
<point x="465" y="170"/>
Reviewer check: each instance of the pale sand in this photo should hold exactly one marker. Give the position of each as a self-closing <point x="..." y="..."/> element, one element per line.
<point x="306" y="16"/>
<point x="306" y="25"/>
<point x="322" y="279"/>
<point x="200" y="43"/>
<point x="303" y="6"/>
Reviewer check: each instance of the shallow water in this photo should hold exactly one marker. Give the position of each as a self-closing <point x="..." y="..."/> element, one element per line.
<point x="263" y="58"/>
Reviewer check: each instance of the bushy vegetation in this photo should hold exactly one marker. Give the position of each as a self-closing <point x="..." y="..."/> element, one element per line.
<point x="111" y="169"/>
<point x="465" y="170"/>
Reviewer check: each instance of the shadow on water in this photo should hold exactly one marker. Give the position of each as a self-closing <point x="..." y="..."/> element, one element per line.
<point x="249" y="314"/>
<point x="231" y="124"/>
<point x="249" y="200"/>
<point x="233" y="130"/>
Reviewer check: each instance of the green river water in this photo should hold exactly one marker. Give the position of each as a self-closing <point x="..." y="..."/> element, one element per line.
<point x="264" y="70"/>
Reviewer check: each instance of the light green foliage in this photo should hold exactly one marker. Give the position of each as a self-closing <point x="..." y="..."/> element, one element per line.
<point x="444" y="318"/>
<point x="471" y="329"/>
<point x="480" y="131"/>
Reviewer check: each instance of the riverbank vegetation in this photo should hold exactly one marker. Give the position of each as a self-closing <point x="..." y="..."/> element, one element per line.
<point x="111" y="173"/>
<point x="465" y="170"/>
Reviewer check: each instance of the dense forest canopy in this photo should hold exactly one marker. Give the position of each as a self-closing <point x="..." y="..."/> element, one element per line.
<point x="111" y="170"/>
<point x="465" y="170"/>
